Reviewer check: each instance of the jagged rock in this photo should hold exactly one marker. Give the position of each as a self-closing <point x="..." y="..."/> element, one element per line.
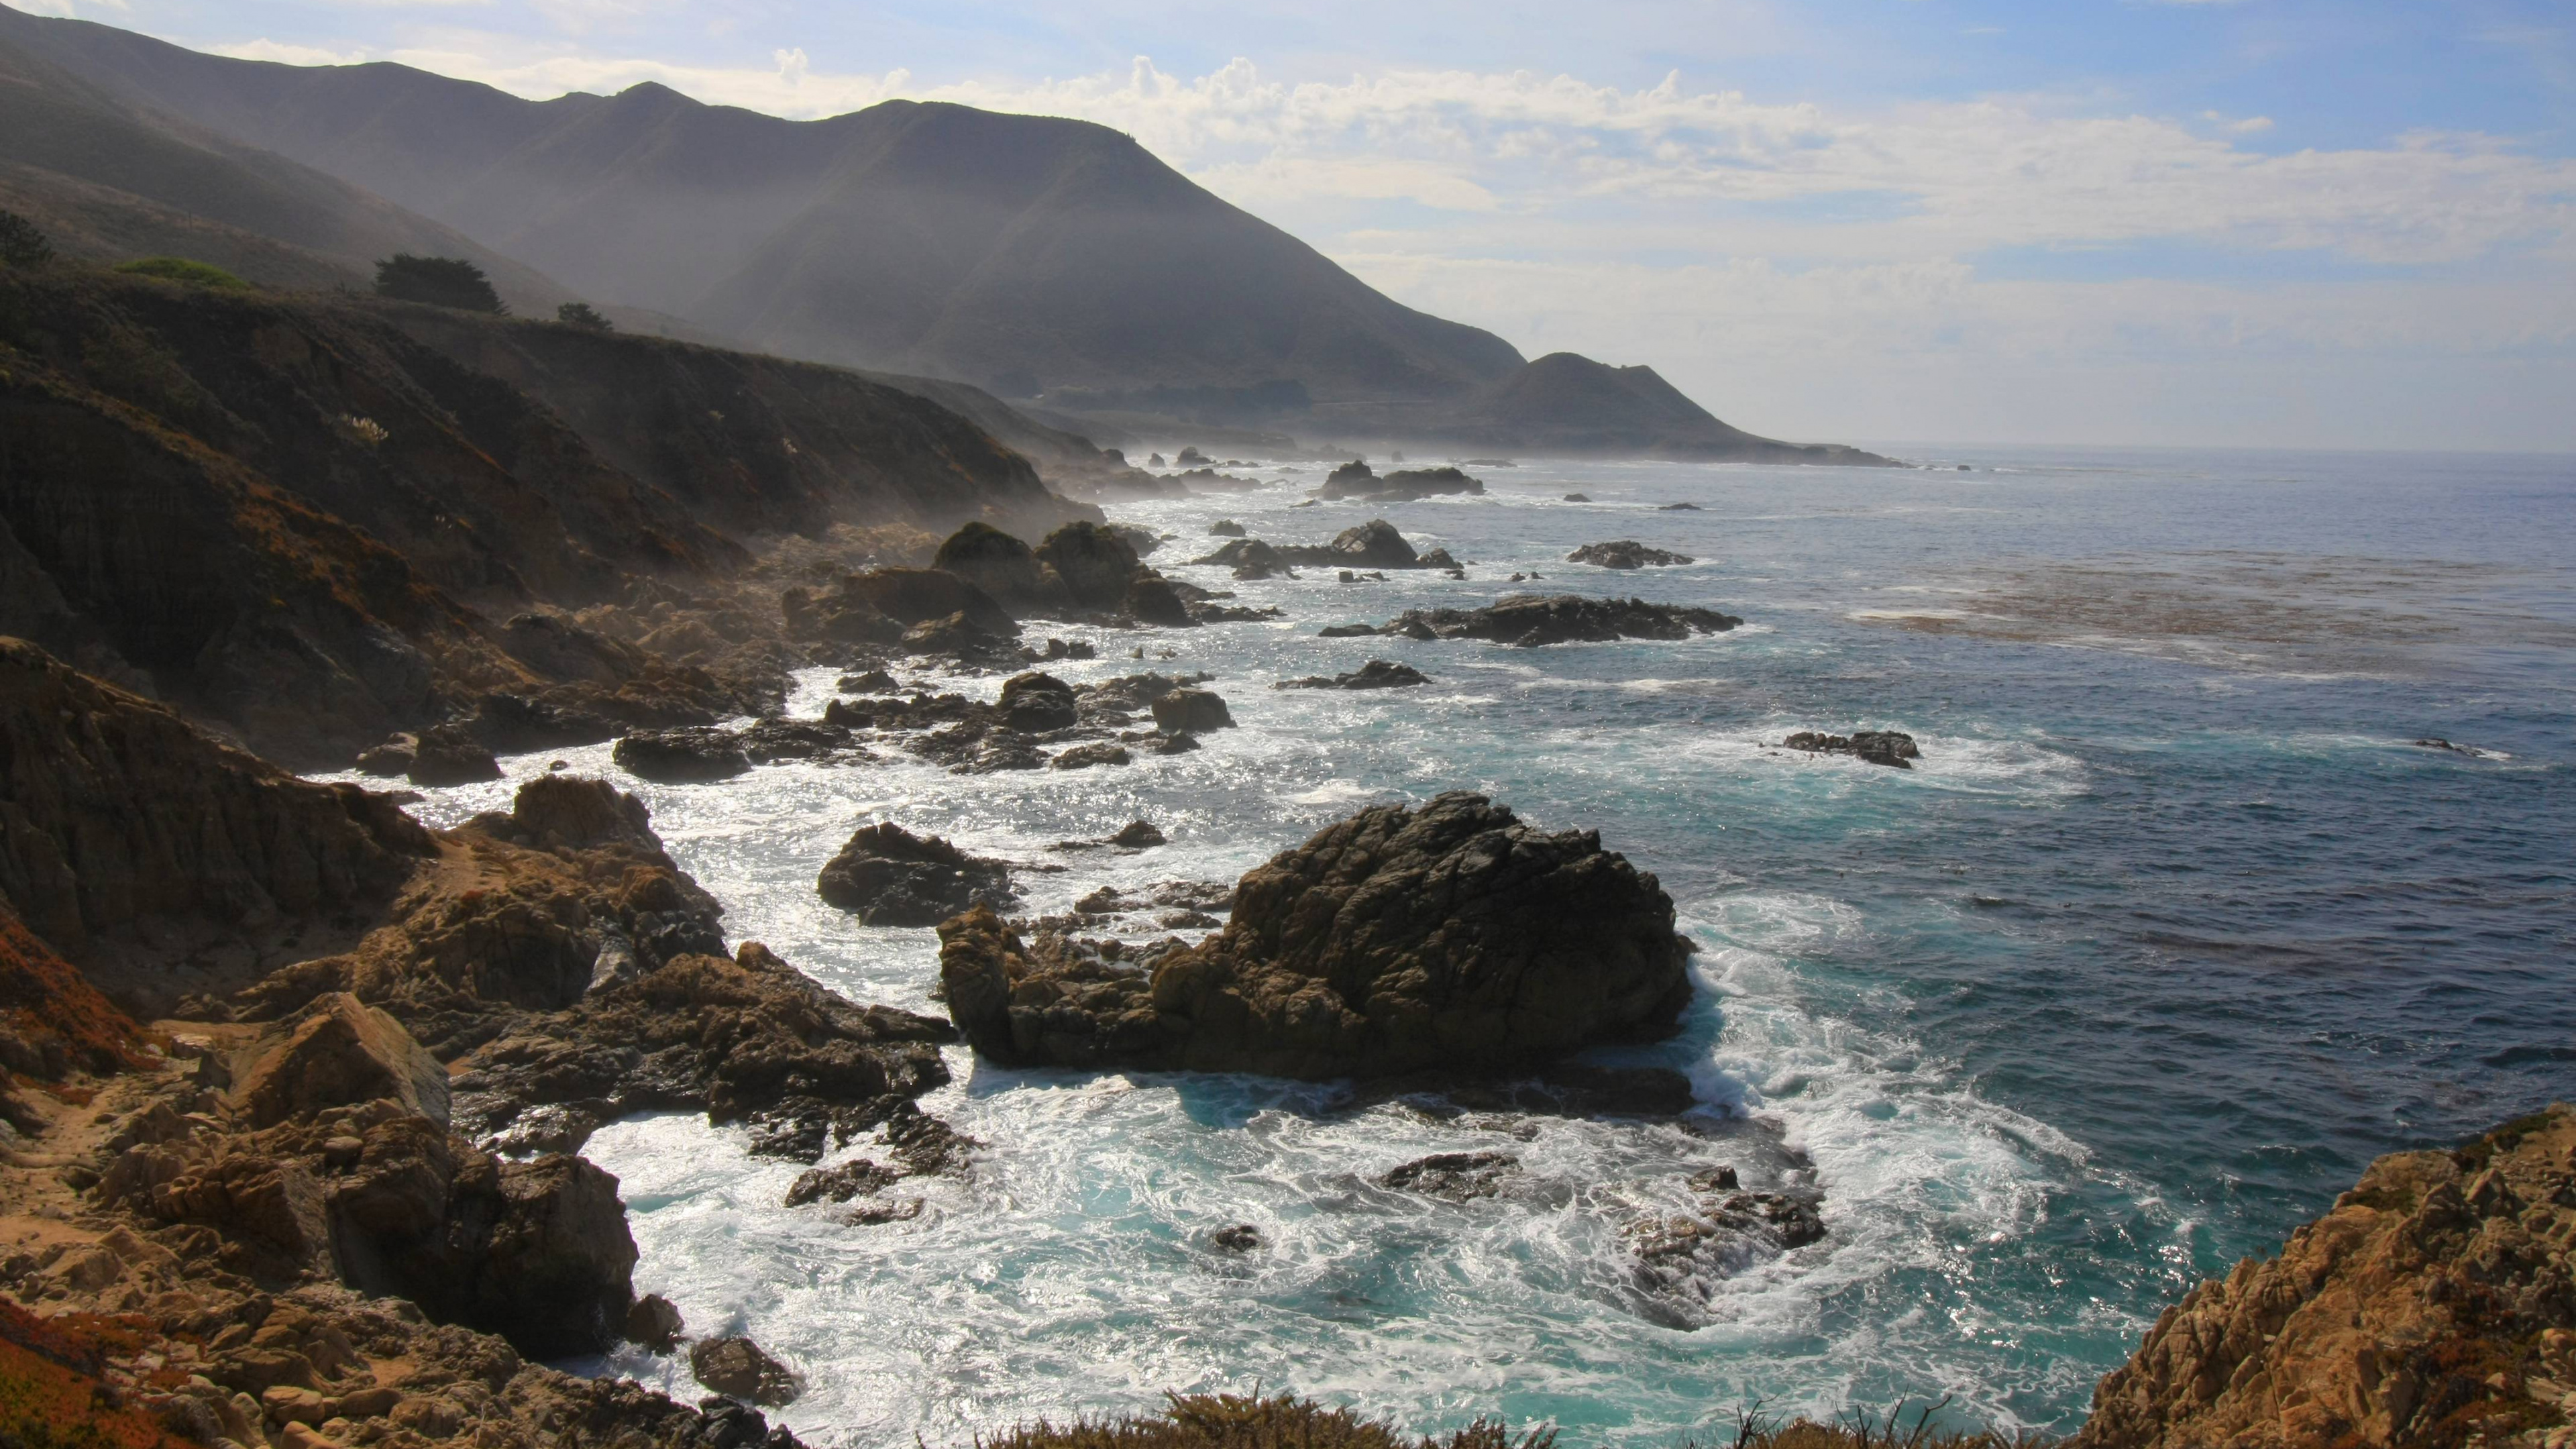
<point x="1376" y="674"/>
<point x="449" y="754"/>
<point x="770" y="741"/>
<point x="1240" y="1238"/>
<point x="1877" y="747"/>
<point x="1250" y="558"/>
<point x="1059" y="649"/>
<point x="1344" y="958"/>
<point x="1097" y="565"/>
<point x="1137" y="835"/>
<point x="1529" y="620"/>
<point x="1175" y="744"/>
<point x="1357" y="482"/>
<point x="1454" y="1176"/>
<point x="653" y="1323"/>
<point x="2431" y="1306"/>
<point x="337" y="1052"/>
<point x="393" y="757"/>
<point x="681" y="756"/>
<point x="736" y="1366"/>
<point x="1035" y="702"/>
<point x="1190" y="711"/>
<point x="1083" y="757"/>
<point x="890" y="877"/>
<point x="1626" y="553"/>
<point x="1003" y="567"/>
<point x="851" y="1179"/>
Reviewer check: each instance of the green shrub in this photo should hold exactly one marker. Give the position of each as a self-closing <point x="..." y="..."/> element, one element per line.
<point x="584" y="315"/>
<point x="21" y="244"/>
<point x="180" y="269"/>
<point x="439" y="281"/>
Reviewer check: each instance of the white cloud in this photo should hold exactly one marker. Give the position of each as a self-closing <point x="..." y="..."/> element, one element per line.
<point x="266" y="49"/>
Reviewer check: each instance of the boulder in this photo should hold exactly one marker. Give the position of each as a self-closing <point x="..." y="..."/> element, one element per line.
<point x="1138" y="835"/>
<point x="1226" y="528"/>
<point x="916" y="596"/>
<point x="448" y="754"/>
<point x="1002" y="566"/>
<point x="889" y="876"/>
<point x="1095" y="563"/>
<point x="1185" y="711"/>
<point x="1450" y="939"/>
<point x="1626" y="553"/>
<point x="1250" y="558"/>
<point x="337" y="1052"/>
<point x="1877" y="747"/>
<point x="737" y="1367"/>
<point x="1035" y="703"/>
<point x="654" y="1323"/>
<point x="1151" y="599"/>
<point x="1376" y="674"/>
<point x="558" y="1270"/>
<point x="1374" y="544"/>
<point x="684" y="756"/>
<point x="1082" y="757"/>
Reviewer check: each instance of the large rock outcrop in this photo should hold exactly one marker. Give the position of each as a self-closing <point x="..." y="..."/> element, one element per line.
<point x="1453" y="938"/>
<point x="2433" y="1306"/>
<point x="337" y="1052"/>
<point x="1530" y="620"/>
<point x="888" y="876"/>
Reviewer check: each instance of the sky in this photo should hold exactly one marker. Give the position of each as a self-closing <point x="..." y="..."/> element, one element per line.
<point x="2297" y="223"/>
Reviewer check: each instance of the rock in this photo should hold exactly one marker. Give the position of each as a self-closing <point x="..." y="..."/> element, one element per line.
<point x="1137" y="835"/>
<point x="1191" y="458"/>
<point x="1576" y="498"/>
<point x="770" y="741"/>
<point x="1357" y="481"/>
<point x="1095" y="563"/>
<point x="1376" y="674"/>
<point x="1529" y="620"/>
<point x="1175" y="744"/>
<point x="1626" y="553"/>
<point x="1250" y="558"/>
<point x="1003" y="567"/>
<point x="2432" y="1297"/>
<point x="1191" y="711"/>
<point x="1240" y="1238"/>
<point x="654" y="1323"/>
<point x="840" y="616"/>
<point x="1877" y="747"/>
<point x="890" y="877"/>
<point x="1083" y="757"/>
<point x="558" y="1268"/>
<point x="1059" y="649"/>
<point x="448" y="755"/>
<point x="1679" y="508"/>
<point x="337" y="1052"/>
<point x="840" y="1184"/>
<point x="874" y="681"/>
<point x="1346" y="631"/>
<point x="519" y="724"/>
<point x="1151" y="599"/>
<point x="1681" y="1257"/>
<point x="1035" y="702"/>
<point x="913" y="597"/>
<point x="2471" y="751"/>
<point x="395" y="755"/>
<point x="957" y="636"/>
<point x="1453" y="939"/>
<point x="682" y="756"/>
<point x="1454" y="1176"/>
<point x="1371" y="545"/>
<point x="1226" y="528"/>
<point x="736" y="1366"/>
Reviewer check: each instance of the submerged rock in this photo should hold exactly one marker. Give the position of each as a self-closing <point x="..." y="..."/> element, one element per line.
<point x="1376" y="674"/>
<point x="1877" y="747"/>
<point x="1626" y="553"/>
<point x="1454" y="1176"/>
<point x="1240" y="1238"/>
<point x="1452" y="939"/>
<point x="889" y="876"/>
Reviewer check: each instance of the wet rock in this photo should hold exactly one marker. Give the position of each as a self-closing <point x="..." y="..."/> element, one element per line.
<point x="737" y="1367"/>
<point x="1376" y="674"/>
<point x="890" y="877"/>
<point x="1626" y="553"/>
<point x="449" y="755"/>
<point x="1137" y="835"/>
<point x="1454" y="1176"/>
<point x="958" y="636"/>
<point x="2471" y="751"/>
<point x="1083" y="757"/>
<point x="1226" y="528"/>
<point x="771" y="741"/>
<point x="1531" y="620"/>
<point x="874" y="681"/>
<point x="1372" y="545"/>
<point x="1876" y="747"/>
<point x="1175" y="744"/>
<point x="1191" y="711"/>
<point x="1680" y="1257"/>
<point x="1003" y="567"/>
<point x="1059" y="649"/>
<point x="1346" y="631"/>
<point x="1240" y="1238"/>
<point x="1151" y="599"/>
<point x="337" y="1052"/>
<point x="1679" y="508"/>
<point x="1451" y="939"/>
<point x="1115" y="701"/>
<point x="1034" y="703"/>
<point x="682" y="756"/>
<point x="854" y="1178"/>
<point x="1097" y="565"/>
<point x="1576" y="498"/>
<point x="1250" y="558"/>
<point x="393" y="757"/>
<point x="654" y="1323"/>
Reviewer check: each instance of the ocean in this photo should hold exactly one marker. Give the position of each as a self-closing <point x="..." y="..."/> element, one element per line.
<point x="2170" y="930"/>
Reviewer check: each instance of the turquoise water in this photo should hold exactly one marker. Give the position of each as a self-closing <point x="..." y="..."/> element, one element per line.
<point x="2172" y="931"/>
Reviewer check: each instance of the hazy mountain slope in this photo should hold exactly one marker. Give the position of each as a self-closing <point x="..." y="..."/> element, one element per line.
<point x="1565" y="402"/>
<point x="914" y="237"/>
<point x="110" y="180"/>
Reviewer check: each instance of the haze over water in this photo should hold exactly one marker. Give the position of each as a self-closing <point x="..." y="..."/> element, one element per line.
<point x="2169" y="932"/>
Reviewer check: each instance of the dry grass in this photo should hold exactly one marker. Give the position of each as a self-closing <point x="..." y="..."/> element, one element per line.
<point x="1231" y="1421"/>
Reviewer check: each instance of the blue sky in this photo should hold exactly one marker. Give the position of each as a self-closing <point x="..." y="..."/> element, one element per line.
<point x="2258" y="222"/>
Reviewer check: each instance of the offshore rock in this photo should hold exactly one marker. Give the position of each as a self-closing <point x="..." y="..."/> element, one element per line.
<point x="1454" y="1176"/>
<point x="2431" y="1306"/>
<point x="1003" y="567"/>
<point x="449" y="754"/>
<point x="1151" y="599"/>
<point x="1376" y="674"/>
<point x="1626" y="553"/>
<point x="1450" y="939"/>
<point x="1191" y="710"/>
<point x="1372" y="545"/>
<point x="1033" y="703"/>
<point x="736" y="1366"/>
<point x="889" y="876"/>
<point x="1358" y="482"/>
<point x="912" y="597"/>
<point x="1877" y="747"/>
<point x="1096" y="564"/>
<point x="682" y="756"/>
<point x="1530" y="620"/>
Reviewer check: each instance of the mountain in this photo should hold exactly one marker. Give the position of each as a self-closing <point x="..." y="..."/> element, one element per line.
<point x="1565" y="402"/>
<point x="106" y="178"/>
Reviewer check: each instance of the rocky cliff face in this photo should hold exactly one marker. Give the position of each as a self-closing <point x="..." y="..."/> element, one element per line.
<point x="2434" y="1306"/>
